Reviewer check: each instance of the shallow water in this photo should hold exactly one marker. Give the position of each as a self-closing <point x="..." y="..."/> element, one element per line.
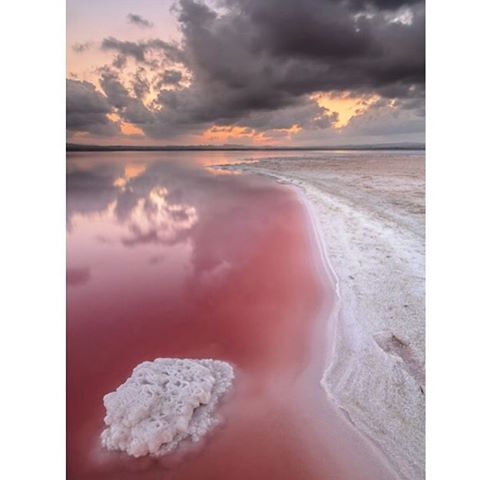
<point x="167" y="258"/>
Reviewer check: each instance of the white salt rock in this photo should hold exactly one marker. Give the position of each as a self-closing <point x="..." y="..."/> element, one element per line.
<point x="163" y="403"/>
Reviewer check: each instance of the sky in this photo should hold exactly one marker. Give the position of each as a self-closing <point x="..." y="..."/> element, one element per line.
<point x="245" y="72"/>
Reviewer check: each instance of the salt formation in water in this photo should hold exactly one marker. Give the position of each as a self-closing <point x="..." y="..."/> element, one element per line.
<point x="163" y="403"/>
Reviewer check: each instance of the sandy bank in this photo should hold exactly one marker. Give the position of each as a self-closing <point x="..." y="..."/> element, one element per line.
<point x="370" y="208"/>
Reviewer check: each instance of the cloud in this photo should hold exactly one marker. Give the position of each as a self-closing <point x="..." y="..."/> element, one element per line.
<point x="139" y="21"/>
<point x="120" y="61"/>
<point x="381" y="4"/>
<point x="268" y="56"/>
<point x="265" y="55"/>
<point x="140" y="83"/>
<point x="130" y="108"/>
<point x="87" y="110"/>
<point x="170" y="77"/>
<point x="139" y="51"/>
<point x="257" y="64"/>
<point x="82" y="47"/>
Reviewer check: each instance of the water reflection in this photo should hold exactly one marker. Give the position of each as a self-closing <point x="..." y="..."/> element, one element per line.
<point x="126" y="202"/>
<point x="166" y="258"/>
<point x="154" y="219"/>
<point x="130" y="171"/>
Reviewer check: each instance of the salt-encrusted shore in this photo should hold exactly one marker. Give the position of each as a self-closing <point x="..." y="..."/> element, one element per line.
<point x="370" y="209"/>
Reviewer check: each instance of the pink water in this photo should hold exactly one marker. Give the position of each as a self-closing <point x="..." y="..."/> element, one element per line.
<point x="168" y="259"/>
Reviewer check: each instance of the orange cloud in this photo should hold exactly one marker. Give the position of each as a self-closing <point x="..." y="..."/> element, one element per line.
<point x="130" y="171"/>
<point x="224" y="134"/>
<point x="125" y="127"/>
<point x="130" y="129"/>
<point x="346" y="105"/>
<point x="289" y="132"/>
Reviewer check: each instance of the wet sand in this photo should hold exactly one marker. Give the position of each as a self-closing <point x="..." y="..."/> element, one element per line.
<point x="369" y="208"/>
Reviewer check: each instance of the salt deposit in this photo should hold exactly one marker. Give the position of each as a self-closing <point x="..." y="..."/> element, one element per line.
<point x="163" y="403"/>
<point x="370" y="208"/>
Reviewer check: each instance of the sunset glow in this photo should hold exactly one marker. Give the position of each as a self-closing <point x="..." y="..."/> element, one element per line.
<point x="178" y="77"/>
<point x="346" y="105"/>
<point x="130" y="129"/>
<point x="220" y="134"/>
<point x="226" y="134"/>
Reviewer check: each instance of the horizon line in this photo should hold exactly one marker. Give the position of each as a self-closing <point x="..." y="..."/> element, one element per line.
<point x="72" y="147"/>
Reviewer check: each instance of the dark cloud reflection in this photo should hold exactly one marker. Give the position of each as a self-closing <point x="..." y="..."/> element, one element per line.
<point x="165" y="204"/>
<point x="77" y="276"/>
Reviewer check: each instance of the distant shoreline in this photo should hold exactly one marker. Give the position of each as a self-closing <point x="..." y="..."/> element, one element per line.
<point x="72" y="147"/>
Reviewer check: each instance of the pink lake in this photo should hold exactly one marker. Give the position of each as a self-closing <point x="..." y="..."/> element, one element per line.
<point x="168" y="258"/>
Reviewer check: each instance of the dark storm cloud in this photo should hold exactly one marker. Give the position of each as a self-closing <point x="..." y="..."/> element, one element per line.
<point x="382" y="4"/>
<point x="261" y="60"/>
<point x="306" y="115"/>
<point x="140" y="83"/>
<point x="87" y="110"/>
<point x="139" y="21"/>
<point x="265" y="56"/>
<point x="170" y="77"/>
<point x="304" y="28"/>
<point x="126" y="49"/>
<point x="130" y="108"/>
<point x="139" y="50"/>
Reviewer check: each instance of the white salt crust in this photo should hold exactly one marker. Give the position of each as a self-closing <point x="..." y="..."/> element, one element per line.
<point x="163" y="403"/>
<point x="370" y="207"/>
